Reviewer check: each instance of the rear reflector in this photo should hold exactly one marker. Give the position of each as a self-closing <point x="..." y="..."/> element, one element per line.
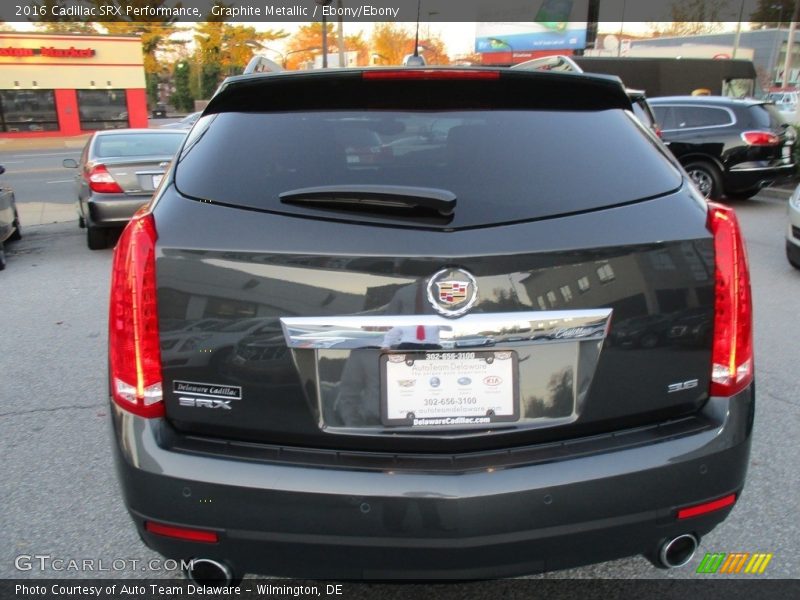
<point x="182" y="533"/>
<point x="732" y="354"/>
<point x="706" y="507"/>
<point x="760" y="138"/>
<point x="133" y="340"/>
<point x="100" y="180"/>
<point x="429" y="74"/>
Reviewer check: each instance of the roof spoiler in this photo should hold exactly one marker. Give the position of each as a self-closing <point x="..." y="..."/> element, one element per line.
<point x="261" y="64"/>
<point x="557" y="62"/>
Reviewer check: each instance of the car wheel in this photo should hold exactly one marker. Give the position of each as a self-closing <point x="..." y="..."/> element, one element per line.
<point x="793" y="255"/>
<point x="96" y="238"/>
<point x="17" y="235"/>
<point x="2" y="257"/>
<point x="706" y="177"/>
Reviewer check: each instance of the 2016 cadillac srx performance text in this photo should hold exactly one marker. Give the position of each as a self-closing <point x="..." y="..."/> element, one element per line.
<point x="425" y="329"/>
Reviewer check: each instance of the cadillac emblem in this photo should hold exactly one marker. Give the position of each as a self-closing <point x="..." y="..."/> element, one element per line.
<point x="452" y="292"/>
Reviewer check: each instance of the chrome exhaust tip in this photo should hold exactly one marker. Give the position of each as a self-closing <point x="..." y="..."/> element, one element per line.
<point x="678" y="551"/>
<point x="206" y="571"/>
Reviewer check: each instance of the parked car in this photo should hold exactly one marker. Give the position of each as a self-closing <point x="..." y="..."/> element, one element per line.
<point x="786" y="101"/>
<point x="159" y="112"/>
<point x="185" y="123"/>
<point x="793" y="230"/>
<point x="727" y="146"/>
<point x="543" y="208"/>
<point x="118" y="172"/>
<point x="10" y="230"/>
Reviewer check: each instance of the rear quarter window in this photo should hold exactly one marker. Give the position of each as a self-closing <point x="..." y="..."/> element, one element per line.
<point x="688" y="117"/>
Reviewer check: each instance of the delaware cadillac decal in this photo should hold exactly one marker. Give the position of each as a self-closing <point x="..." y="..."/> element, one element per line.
<point x="206" y="395"/>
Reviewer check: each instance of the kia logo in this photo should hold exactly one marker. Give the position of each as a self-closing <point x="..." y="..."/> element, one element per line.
<point x="492" y="380"/>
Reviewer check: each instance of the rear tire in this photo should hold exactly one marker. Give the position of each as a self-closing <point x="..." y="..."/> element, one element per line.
<point x="793" y="255"/>
<point x="96" y="238"/>
<point x="706" y="177"/>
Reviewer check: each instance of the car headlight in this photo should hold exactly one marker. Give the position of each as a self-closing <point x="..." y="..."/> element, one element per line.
<point x="794" y="199"/>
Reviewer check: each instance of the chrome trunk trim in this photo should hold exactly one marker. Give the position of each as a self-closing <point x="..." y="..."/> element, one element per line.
<point x="471" y="331"/>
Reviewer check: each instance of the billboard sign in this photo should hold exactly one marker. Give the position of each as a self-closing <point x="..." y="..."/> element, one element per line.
<point x="529" y="26"/>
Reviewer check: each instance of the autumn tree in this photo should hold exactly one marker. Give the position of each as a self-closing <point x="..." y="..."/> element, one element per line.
<point x="224" y="49"/>
<point x="434" y="50"/>
<point x="769" y="14"/>
<point x="306" y="44"/>
<point x="391" y="42"/>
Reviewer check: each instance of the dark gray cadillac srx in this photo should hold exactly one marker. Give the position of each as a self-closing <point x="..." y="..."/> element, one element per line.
<point x="382" y="324"/>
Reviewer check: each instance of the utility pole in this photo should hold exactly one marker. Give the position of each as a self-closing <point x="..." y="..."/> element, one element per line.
<point x="738" y="31"/>
<point x="324" y="3"/>
<point x="787" y="63"/>
<point x="341" y="35"/>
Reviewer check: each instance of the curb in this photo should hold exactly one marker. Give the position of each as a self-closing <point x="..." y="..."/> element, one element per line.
<point x="50" y="143"/>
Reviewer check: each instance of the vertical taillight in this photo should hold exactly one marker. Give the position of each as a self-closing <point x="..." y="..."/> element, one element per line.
<point x="134" y="353"/>
<point x="100" y="180"/>
<point x="732" y="355"/>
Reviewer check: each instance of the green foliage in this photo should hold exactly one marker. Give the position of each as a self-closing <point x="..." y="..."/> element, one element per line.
<point x="151" y="85"/>
<point x="182" y="98"/>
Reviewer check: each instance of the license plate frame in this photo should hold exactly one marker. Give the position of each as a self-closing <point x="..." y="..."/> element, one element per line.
<point x="409" y="397"/>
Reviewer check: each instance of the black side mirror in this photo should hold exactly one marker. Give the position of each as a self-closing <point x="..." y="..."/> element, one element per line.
<point x="70" y="163"/>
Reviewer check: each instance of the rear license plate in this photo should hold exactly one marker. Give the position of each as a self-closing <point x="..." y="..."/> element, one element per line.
<point x="157" y="180"/>
<point x="787" y="150"/>
<point x="448" y="389"/>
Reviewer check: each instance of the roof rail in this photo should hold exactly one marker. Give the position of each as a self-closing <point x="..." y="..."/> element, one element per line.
<point x="261" y="64"/>
<point x="557" y="62"/>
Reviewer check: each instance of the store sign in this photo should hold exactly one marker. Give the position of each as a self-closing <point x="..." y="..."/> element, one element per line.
<point x="48" y="51"/>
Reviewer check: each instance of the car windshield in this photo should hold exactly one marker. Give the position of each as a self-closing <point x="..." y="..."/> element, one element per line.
<point x="137" y="144"/>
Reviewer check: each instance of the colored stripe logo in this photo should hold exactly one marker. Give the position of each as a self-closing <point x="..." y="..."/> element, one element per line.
<point x="734" y="563"/>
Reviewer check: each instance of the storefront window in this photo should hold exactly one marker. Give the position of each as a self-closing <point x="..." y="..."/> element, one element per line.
<point x="28" y="110"/>
<point x="102" y="109"/>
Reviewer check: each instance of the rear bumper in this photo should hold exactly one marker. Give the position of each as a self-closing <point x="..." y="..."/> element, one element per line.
<point x="305" y="521"/>
<point x="113" y="210"/>
<point x="745" y="177"/>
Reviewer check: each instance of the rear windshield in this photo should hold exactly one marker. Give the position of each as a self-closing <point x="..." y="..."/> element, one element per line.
<point x="137" y="144"/>
<point x="502" y="165"/>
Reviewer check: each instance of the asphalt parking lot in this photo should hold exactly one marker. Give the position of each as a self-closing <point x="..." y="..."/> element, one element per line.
<point x="59" y="492"/>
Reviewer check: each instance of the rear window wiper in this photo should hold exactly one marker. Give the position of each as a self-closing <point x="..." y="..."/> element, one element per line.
<point x="380" y="197"/>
